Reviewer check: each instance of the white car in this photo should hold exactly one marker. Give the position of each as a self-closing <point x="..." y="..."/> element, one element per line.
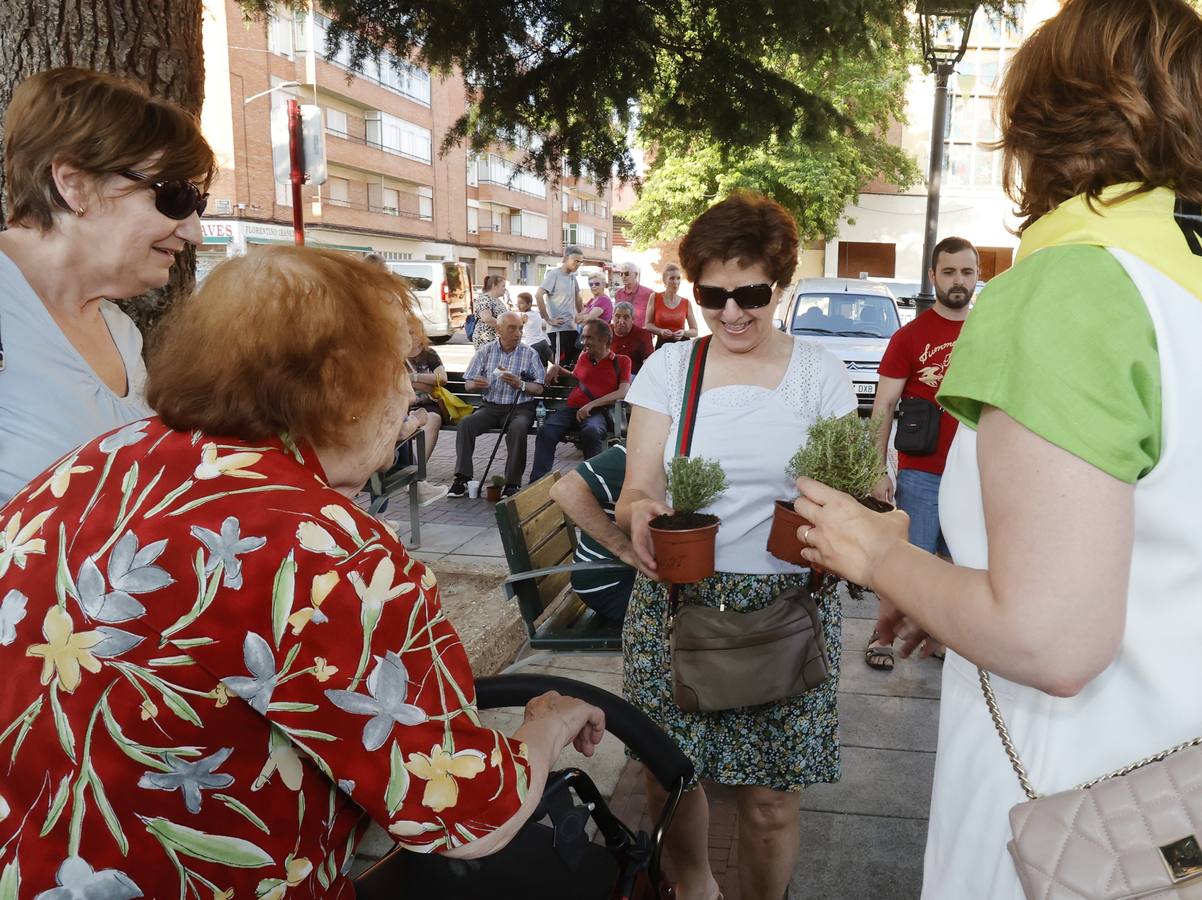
<point x="443" y="292"/>
<point x="853" y="319"/>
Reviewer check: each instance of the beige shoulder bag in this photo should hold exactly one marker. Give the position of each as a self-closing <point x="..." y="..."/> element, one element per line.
<point x="1133" y="833"/>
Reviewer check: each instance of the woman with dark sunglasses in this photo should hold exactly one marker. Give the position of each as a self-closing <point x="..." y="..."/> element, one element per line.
<point x="105" y="188"/>
<point x="599" y="305"/>
<point x="760" y="393"/>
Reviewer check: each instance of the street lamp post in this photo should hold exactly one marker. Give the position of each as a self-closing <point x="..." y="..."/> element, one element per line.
<point x="945" y="26"/>
<point x="296" y="175"/>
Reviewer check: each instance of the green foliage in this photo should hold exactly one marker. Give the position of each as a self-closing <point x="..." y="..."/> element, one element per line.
<point x="814" y="176"/>
<point x="578" y="73"/>
<point x="694" y="483"/>
<point x="497" y="481"/>
<point x="841" y="452"/>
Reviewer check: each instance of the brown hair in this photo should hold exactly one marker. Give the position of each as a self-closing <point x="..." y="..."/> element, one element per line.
<point x="952" y="244"/>
<point x="1105" y="92"/>
<point x="285" y="340"/>
<point x="99" y="123"/>
<point x="746" y="227"/>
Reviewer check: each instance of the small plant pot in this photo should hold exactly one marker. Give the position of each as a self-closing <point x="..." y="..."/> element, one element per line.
<point x="492" y="493"/>
<point x="877" y="505"/>
<point x="684" y="546"/>
<point x="783" y="542"/>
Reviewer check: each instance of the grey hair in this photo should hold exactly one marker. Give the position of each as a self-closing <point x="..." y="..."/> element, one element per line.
<point x="632" y="265"/>
<point x="625" y="307"/>
<point x="572" y="250"/>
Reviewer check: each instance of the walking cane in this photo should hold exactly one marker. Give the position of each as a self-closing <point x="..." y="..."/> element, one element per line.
<point x="500" y="437"/>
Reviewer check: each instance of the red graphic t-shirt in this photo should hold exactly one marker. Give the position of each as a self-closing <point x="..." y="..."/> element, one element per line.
<point x="920" y="352"/>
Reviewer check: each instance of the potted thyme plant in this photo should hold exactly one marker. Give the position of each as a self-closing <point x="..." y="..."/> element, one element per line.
<point x="684" y="540"/>
<point x="496" y="484"/>
<point x="840" y="452"/>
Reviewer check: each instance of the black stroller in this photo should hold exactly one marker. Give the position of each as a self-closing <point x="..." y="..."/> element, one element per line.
<point x="552" y="857"/>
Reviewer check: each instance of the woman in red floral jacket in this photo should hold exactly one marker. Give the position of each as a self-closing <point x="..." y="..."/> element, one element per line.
<point x="217" y="669"/>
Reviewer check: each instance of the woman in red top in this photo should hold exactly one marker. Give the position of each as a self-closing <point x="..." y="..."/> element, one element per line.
<point x="669" y="315"/>
<point x="218" y="669"/>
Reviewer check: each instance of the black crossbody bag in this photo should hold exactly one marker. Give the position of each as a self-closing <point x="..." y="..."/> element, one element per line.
<point x="917" y="426"/>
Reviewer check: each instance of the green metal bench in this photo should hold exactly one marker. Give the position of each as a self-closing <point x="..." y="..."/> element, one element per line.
<point x="540" y="544"/>
<point x="385" y="484"/>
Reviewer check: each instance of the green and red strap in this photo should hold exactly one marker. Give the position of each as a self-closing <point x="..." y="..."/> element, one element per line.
<point x="691" y="396"/>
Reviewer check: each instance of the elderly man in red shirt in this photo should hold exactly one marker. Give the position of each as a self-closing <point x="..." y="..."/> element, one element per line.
<point x="629" y="339"/>
<point x="604" y="378"/>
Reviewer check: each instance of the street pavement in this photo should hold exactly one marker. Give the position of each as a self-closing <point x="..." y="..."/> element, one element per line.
<point x="862" y="837"/>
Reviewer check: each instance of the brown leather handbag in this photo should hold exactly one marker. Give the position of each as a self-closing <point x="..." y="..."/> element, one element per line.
<point x="724" y="659"/>
<point x="1133" y="833"/>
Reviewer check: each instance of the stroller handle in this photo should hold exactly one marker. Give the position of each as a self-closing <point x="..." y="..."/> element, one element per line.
<point x="632" y="727"/>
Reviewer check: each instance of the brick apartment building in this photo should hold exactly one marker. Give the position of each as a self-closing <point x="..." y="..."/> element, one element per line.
<point x="388" y="190"/>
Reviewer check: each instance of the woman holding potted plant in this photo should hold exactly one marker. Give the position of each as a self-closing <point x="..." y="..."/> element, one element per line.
<point x="1068" y="494"/>
<point x="760" y="392"/>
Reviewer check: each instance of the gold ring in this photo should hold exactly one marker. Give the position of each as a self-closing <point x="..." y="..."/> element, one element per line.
<point x="805" y="536"/>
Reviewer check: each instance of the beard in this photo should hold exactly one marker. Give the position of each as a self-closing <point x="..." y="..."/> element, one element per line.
<point x="956" y="298"/>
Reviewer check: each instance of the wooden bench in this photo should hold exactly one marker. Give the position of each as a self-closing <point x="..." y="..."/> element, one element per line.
<point x="540" y="544"/>
<point x="387" y="483"/>
<point x="555" y="396"/>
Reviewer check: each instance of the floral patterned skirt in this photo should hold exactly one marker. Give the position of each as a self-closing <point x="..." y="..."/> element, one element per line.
<point x="783" y="745"/>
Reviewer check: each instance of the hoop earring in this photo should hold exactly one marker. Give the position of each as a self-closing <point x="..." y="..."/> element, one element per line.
<point x="79" y="212"/>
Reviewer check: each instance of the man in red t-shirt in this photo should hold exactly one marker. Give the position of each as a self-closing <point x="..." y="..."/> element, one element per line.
<point x="913" y="366"/>
<point x="604" y="378"/>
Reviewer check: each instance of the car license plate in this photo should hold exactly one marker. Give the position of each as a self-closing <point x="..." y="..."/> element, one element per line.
<point x="866" y="389"/>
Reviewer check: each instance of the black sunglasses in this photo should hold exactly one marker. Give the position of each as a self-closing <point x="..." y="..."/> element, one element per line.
<point x="596" y="284"/>
<point x="176" y="198"/>
<point x="749" y="296"/>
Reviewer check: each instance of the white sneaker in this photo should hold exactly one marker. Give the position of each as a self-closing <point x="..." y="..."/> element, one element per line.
<point x="430" y="493"/>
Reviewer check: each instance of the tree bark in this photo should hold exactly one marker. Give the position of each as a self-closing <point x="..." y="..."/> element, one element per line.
<point x="156" y="42"/>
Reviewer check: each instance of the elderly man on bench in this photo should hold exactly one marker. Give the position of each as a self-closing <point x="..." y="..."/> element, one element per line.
<point x="511" y="375"/>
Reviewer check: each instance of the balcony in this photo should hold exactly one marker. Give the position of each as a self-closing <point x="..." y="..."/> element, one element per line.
<point x="367" y="217"/>
<point x="498" y="234"/>
<point x="352" y="149"/>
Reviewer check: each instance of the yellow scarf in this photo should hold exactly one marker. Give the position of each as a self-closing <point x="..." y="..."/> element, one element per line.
<point x="1155" y="226"/>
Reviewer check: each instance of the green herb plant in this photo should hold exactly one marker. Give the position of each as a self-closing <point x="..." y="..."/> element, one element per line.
<point x="841" y="452"/>
<point x="694" y="483"/>
<point x="497" y="481"/>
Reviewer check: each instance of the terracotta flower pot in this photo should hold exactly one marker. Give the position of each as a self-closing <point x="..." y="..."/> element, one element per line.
<point x="684" y="546"/>
<point x="783" y="542"/>
<point x="492" y="493"/>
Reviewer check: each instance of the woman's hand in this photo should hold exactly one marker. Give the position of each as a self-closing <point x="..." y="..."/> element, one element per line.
<point x="641" y="514"/>
<point x="580" y="724"/>
<point x="883" y="490"/>
<point x="846" y="537"/>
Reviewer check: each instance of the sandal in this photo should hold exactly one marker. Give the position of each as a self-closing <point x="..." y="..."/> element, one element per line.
<point x="878" y="655"/>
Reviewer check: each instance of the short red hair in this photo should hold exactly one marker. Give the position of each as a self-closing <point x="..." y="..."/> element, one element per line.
<point x="285" y="340"/>
<point x="746" y="227"/>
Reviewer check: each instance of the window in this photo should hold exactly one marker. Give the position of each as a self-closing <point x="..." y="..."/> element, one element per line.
<point x="563" y="201"/>
<point x="283" y="194"/>
<point x="398" y="136"/>
<point x="279" y="35"/>
<point x="336" y="121"/>
<point x="603" y="240"/>
<point x="385" y="70"/>
<point x="473" y="166"/>
<point x="473" y="218"/>
<point x="581" y="235"/>
<point x="338" y="191"/>
<point x="969" y="163"/>
<point x="531" y="225"/>
<point x="603" y="210"/>
<point x="493" y="169"/>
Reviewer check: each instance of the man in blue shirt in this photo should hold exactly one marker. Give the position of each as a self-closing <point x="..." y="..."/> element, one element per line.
<point x="511" y="375"/>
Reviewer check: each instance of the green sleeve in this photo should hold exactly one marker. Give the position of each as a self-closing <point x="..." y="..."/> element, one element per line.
<point x="1064" y="345"/>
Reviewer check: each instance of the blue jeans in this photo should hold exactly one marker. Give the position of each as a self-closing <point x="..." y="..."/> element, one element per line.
<point x="918" y="496"/>
<point x="593" y="432"/>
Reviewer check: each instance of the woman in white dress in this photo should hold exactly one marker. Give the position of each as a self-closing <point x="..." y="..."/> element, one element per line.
<point x="1070" y="493"/>
<point x="105" y="187"/>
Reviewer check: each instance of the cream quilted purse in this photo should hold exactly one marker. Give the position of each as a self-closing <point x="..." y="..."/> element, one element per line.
<point x="1136" y="832"/>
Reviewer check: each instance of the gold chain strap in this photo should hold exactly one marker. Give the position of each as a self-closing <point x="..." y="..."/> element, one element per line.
<point x="996" y="714"/>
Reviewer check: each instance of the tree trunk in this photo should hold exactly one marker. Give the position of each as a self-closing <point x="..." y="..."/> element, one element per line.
<point x="156" y="42"/>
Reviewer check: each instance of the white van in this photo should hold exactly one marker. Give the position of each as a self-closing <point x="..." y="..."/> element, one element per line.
<point x="443" y="291"/>
<point x="853" y="319"/>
